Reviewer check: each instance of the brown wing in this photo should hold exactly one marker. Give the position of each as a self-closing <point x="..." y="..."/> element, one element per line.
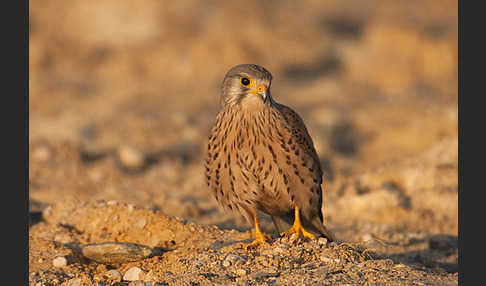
<point x="299" y="131"/>
<point x="306" y="162"/>
<point x="305" y="153"/>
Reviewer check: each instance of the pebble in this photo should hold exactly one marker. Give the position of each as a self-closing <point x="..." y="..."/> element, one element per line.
<point x="47" y="211"/>
<point x="116" y="252"/>
<point x="59" y="261"/>
<point x="62" y="238"/>
<point x="130" y="157"/>
<point x="322" y="241"/>
<point x="136" y="283"/>
<point x="233" y="259"/>
<point x="133" y="274"/>
<point x="326" y="259"/>
<point x="113" y="275"/>
<point x="42" y="154"/>
<point x="130" y="208"/>
<point x="278" y="250"/>
<point x="366" y="237"/>
<point x="241" y="272"/>
<point x="74" y="282"/>
<point x="226" y="263"/>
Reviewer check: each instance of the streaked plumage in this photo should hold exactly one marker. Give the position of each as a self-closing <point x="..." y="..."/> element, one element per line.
<point x="260" y="156"/>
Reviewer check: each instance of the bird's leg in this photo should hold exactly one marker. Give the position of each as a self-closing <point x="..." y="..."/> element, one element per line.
<point x="297" y="227"/>
<point x="260" y="237"/>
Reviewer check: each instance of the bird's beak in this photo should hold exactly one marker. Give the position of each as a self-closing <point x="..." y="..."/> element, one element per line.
<point x="263" y="92"/>
<point x="264" y="95"/>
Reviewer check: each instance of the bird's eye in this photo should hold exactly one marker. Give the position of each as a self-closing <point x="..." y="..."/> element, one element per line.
<point x="245" y="81"/>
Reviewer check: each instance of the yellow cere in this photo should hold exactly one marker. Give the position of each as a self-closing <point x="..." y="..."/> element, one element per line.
<point x="259" y="89"/>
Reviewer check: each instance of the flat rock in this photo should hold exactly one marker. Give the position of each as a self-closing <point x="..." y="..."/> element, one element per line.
<point x="116" y="252"/>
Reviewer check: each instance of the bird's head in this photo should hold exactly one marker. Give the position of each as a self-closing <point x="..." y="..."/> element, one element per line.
<point x="246" y="84"/>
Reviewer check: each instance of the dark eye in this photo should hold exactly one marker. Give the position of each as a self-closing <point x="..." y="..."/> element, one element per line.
<point x="245" y="81"/>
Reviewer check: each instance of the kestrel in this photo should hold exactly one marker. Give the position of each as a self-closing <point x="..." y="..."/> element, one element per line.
<point x="260" y="157"/>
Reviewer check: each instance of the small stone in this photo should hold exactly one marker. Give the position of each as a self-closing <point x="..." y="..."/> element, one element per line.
<point x="367" y="237"/>
<point x="226" y="263"/>
<point x="133" y="274"/>
<point x="114" y="275"/>
<point x="322" y="241"/>
<point x="130" y="157"/>
<point x="278" y="250"/>
<point x="150" y="276"/>
<point x="112" y="203"/>
<point x="42" y="154"/>
<point x="59" y="261"/>
<point x="47" y="211"/>
<point x="241" y="272"/>
<point x="233" y="258"/>
<point x="136" y="283"/>
<point x="130" y="208"/>
<point x="326" y="259"/>
<point x="62" y="238"/>
<point x="74" y="282"/>
<point x="140" y="223"/>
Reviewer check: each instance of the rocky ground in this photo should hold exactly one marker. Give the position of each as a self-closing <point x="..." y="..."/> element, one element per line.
<point x="122" y="98"/>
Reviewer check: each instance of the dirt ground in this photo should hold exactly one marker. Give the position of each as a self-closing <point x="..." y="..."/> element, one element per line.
<point x="122" y="98"/>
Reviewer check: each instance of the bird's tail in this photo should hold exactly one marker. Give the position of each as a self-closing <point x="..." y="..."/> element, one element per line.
<point x="319" y="225"/>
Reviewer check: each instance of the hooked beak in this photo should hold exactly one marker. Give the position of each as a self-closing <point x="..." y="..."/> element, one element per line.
<point x="263" y="92"/>
<point x="264" y="95"/>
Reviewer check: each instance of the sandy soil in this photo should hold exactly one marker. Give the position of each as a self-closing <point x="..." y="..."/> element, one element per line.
<point x="122" y="98"/>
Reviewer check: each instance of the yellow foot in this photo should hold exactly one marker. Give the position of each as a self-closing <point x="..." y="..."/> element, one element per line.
<point x="297" y="228"/>
<point x="299" y="231"/>
<point x="261" y="239"/>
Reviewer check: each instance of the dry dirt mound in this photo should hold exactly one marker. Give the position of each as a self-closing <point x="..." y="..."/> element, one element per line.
<point x="192" y="254"/>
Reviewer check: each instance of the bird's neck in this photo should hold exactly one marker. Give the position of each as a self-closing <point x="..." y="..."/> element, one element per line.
<point x="253" y="104"/>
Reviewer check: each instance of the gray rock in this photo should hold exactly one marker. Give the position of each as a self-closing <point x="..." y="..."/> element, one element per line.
<point x="116" y="252"/>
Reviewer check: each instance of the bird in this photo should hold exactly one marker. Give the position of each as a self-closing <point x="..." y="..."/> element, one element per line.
<point x="261" y="158"/>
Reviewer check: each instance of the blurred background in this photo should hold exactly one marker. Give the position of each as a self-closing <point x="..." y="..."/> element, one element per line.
<point x="123" y="95"/>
